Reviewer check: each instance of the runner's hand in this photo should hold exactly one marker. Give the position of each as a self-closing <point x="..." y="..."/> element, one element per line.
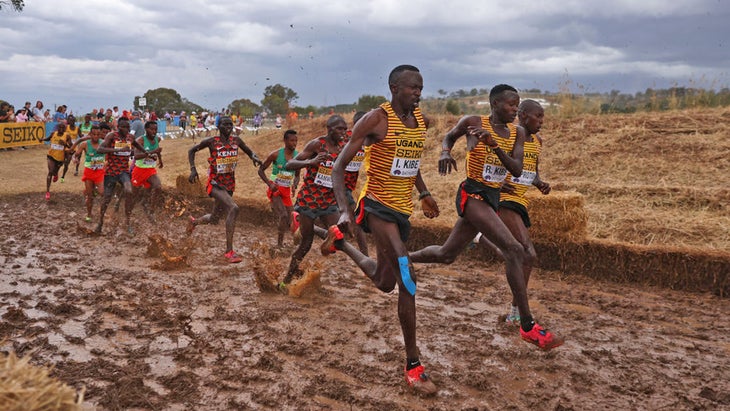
<point x="446" y="163"/>
<point x="255" y="159"/>
<point x="193" y="175"/>
<point x="479" y="135"/>
<point x="508" y="188"/>
<point x="429" y="207"/>
<point x="543" y="186"/>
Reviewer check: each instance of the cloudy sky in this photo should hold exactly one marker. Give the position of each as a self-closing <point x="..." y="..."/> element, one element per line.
<point x="91" y="53"/>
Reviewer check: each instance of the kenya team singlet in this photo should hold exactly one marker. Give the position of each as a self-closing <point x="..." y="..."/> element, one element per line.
<point x="223" y="160"/>
<point x="391" y="165"/>
<point x="316" y="192"/>
<point x="118" y="163"/>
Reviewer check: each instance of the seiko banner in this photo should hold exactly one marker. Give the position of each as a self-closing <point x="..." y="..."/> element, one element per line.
<point x="21" y="134"/>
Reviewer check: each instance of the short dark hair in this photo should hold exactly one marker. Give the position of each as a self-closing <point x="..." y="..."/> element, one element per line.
<point x="149" y="123"/>
<point x="335" y="118"/>
<point x="105" y="126"/>
<point x="123" y="119"/>
<point x="497" y="90"/>
<point x="396" y="72"/>
<point x="289" y="132"/>
<point x="357" y="116"/>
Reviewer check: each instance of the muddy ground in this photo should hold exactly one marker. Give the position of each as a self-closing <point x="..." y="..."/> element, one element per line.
<point x="159" y="322"/>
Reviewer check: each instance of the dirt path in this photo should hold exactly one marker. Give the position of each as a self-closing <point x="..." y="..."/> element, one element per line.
<point x="114" y="314"/>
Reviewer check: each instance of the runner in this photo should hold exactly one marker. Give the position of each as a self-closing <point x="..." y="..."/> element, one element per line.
<point x="352" y="174"/>
<point x="282" y="183"/>
<point x="117" y="145"/>
<point x="72" y="130"/>
<point x="512" y="201"/>
<point x="60" y="142"/>
<point x="144" y="173"/>
<point x="316" y="198"/>
<point x="393" y="136"/>
<point x="495" y="146"/>
<point x="85" y="129"/>
<point x="221" y="180"/>
<point x="93" y="175"/>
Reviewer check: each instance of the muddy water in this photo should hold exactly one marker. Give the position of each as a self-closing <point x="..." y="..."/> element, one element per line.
<point x="201" y="334"/>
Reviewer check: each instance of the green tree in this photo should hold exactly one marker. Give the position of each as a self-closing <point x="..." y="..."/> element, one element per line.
<point x="367" y="102"/>
<point x="452" y="106"/>
<point x="277" y="99"/>
<point x="244" y="107"/>
<point x="161" y="100"/>
<point x="16" y="5"/>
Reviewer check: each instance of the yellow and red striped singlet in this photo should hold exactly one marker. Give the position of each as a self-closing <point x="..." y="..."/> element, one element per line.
<point x="392" y="164"/>
<point x="529" y="171"/>
<point x="482" y="163"/>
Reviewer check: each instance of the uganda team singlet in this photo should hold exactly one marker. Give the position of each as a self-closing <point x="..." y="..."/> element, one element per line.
<point x="391" y="165"/>
<point x="117" y="163"/>
<point x="529" y="172"/>
<point x="223" y="160"/>
<point x="483" y="164"/>
<point x="316" y="192"/>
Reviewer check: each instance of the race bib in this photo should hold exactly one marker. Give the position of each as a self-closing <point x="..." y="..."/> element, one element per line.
<point x="149" y="162"/>
<point x="525" y="179"/>
<point x="57" y="147"/>
<point x="284" y="179"/>
<point x="122" y="144"/>
<point x="404" y="167"/>
<point x="494" y="173"/>
<point x="324" y="175"/>
<point x="356" y="162"/>
<point x="225" y="165"/>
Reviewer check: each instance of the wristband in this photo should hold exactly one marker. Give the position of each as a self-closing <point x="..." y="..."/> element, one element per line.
<point x="424" y="194"/>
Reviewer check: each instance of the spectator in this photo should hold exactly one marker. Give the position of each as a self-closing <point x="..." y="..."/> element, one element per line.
<point x="47" y="115"/>
<point x="21" y="116"/>
<point x="4" y="112"/>
<point x="37" y="111"/>
<point x="136" y="127"/>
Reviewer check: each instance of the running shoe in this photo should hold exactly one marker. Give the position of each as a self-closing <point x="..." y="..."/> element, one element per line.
<point x="328" y="246"/>
<point x="55" y="178"/>
<point x="48" y="196"/>
<point x="232" y="257"/>
<point x="419" y="381"/>
<point x="541" y="337"/>
<point x="62" y="180"/>
<point x="513" y="318"/>
<point x="294" y="226"/>
<point x="87" y="219"/>
<point x="191" y="225"/>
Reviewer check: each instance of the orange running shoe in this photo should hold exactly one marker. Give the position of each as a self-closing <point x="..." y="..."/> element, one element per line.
<point x="328" y="246"/>
<point x="232" y="257"/>
<point x="419" y="381"/>
<point x="541" y="337"/>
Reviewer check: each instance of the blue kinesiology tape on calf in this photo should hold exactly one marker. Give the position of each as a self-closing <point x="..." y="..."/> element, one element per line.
<point x="405" y="275"/>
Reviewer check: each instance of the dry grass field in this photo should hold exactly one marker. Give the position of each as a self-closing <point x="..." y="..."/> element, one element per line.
<point x="158" y="321"/>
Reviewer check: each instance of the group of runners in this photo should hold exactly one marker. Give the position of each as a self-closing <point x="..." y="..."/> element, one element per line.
<point x="116" y="162"/>
<point x="387" y="143"/>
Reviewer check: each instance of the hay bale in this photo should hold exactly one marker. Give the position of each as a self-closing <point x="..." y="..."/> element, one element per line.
<point x="29" y="388"/>
<point x="559" y="216"/>
<point x="190" y="190"/>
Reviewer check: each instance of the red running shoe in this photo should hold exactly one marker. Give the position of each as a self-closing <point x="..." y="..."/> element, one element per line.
<point x="48" y="196"/>
<point x="233" y="258"/>
<point x="328" y="246"/>
<point x="55" y="178"/>
<point x="541" y="337"/>
<point x="419" y="381"/>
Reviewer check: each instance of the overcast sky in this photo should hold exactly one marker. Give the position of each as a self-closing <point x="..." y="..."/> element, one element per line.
<point x="92" y="53"/>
